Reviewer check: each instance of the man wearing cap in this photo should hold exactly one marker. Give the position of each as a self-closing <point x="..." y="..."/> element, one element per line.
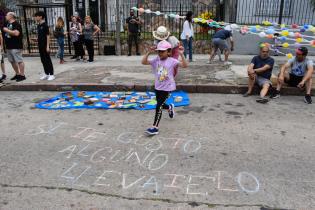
<point x="14" y="44"/>
<point x="219" y="41"/>
<point x="133" y="23"/>
<point x="300" y="75"/>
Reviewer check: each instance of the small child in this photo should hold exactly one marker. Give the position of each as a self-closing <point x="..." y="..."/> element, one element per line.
<point x="276" y="44"/>
<point x="3" y="76"/>
<point x="161" y="34"/>
<point x="163" y="68"/>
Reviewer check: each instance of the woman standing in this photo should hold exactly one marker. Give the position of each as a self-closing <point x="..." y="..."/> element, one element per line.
<point x="187" y="35"/>
<point x="75" y="31"/>
<point x="59" y="34"/>
<point x="89" y="31"/>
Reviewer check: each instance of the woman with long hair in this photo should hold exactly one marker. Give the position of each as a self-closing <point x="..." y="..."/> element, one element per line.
<point x="187" y="35"/>
<point x="89" y="31"/>
<point x="59" y="34"/>
<point x="75" y="32"/>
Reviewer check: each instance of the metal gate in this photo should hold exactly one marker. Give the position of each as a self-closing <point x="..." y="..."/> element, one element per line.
<point x="52" y="11"/>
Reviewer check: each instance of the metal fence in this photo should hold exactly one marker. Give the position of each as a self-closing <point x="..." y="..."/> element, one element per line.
<point x="239" y="11"/>
<point x="152" y="21"/>
<point x="279" y="11"/>
<point x="52" y="11"/>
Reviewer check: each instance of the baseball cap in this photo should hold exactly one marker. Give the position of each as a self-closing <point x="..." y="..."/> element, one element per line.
<point x="301" y="50"/>
<point x="163" y="45"/>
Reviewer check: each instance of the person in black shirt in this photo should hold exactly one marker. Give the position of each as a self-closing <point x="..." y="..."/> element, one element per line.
<point x="133" y="23"/>
<point x="14" y="44"/>
<point x="259" y="72"/>
<point x="43" y="46"/>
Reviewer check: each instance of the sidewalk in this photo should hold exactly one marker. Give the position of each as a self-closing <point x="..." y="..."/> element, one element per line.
<point x="110" y="73"/>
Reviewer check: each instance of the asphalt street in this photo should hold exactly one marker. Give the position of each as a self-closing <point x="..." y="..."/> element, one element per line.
<point x="221" y="152"/>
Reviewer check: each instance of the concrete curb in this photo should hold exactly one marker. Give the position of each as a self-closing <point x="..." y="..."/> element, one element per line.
<point x="190" y="88"/>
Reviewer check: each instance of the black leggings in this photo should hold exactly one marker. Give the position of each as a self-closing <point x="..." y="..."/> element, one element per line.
<point x="90" y="48"/>
<point x="46" y="61"/>
<point x="78" y="49"/>
<point x="161" y="97"/>
<point x="133" y="37"/>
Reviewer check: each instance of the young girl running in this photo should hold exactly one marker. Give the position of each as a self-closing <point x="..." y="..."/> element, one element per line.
<point x="163" y="68"/>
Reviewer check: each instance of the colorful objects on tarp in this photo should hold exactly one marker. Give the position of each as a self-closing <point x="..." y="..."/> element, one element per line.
<point x="110" y="100"/>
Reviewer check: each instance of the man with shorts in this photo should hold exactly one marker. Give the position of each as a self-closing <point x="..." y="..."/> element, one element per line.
<point x="14" y="46"/>
<point x="300" y="75"/>
<point x="3" y="76"/>
<point x="219" y="41"/>
<point x="259" y="73"/>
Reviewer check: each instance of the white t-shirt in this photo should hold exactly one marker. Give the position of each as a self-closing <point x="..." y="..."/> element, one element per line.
<point x="188" y="30"/>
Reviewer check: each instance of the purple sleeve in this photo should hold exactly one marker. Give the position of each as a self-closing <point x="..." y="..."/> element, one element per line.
<point x="153" y="62"/>
<point x="176" y="62"/>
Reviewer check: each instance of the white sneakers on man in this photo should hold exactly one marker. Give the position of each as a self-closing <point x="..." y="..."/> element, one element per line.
<point x="51" y="77"/>
<point x="44" y="77"/>
<point x="227" y="63"/>
<point x="48" y="77"/>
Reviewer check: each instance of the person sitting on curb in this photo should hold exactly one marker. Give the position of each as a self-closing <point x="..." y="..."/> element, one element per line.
<point x="219" y="41"/>
<point x="300" y="75"/>
<point x="259" y="72"/>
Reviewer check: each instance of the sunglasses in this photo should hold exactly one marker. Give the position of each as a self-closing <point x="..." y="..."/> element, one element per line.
<point x="161" y="51"/>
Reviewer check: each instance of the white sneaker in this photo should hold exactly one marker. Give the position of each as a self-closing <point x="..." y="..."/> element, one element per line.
<point x="209" y="62"/>
<point x="44" y="77"/>
<point x="51" y="77"/>
<point x="227" y="63"/>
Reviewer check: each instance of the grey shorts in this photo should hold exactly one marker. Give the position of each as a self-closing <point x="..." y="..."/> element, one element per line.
<point x="220" y="43"/>
<point x="260" y="81"/>
<point x="14" y="55"/>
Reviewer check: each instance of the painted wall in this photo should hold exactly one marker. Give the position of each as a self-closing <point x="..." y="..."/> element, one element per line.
<point x="254" y="12"/>
<point x="300" y="12"/>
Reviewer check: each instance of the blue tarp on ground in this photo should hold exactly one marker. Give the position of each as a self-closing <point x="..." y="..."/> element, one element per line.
<point x="109" y="100"/>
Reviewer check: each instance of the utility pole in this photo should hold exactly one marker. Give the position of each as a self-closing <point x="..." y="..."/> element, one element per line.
<point x="118" y="26"/>
<point x="281" y="12"/>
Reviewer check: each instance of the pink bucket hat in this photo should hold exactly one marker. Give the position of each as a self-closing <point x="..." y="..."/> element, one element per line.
<point x="163" y="45"/>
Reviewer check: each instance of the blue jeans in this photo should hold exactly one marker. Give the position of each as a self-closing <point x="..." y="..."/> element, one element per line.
<point x="188" y="47"/>
<point x="61" y="43"/>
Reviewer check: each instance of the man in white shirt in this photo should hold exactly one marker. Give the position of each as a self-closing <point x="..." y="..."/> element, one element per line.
<point x="300" y="75"/>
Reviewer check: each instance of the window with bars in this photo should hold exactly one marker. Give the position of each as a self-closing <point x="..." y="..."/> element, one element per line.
<point x="272" y="7"/>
